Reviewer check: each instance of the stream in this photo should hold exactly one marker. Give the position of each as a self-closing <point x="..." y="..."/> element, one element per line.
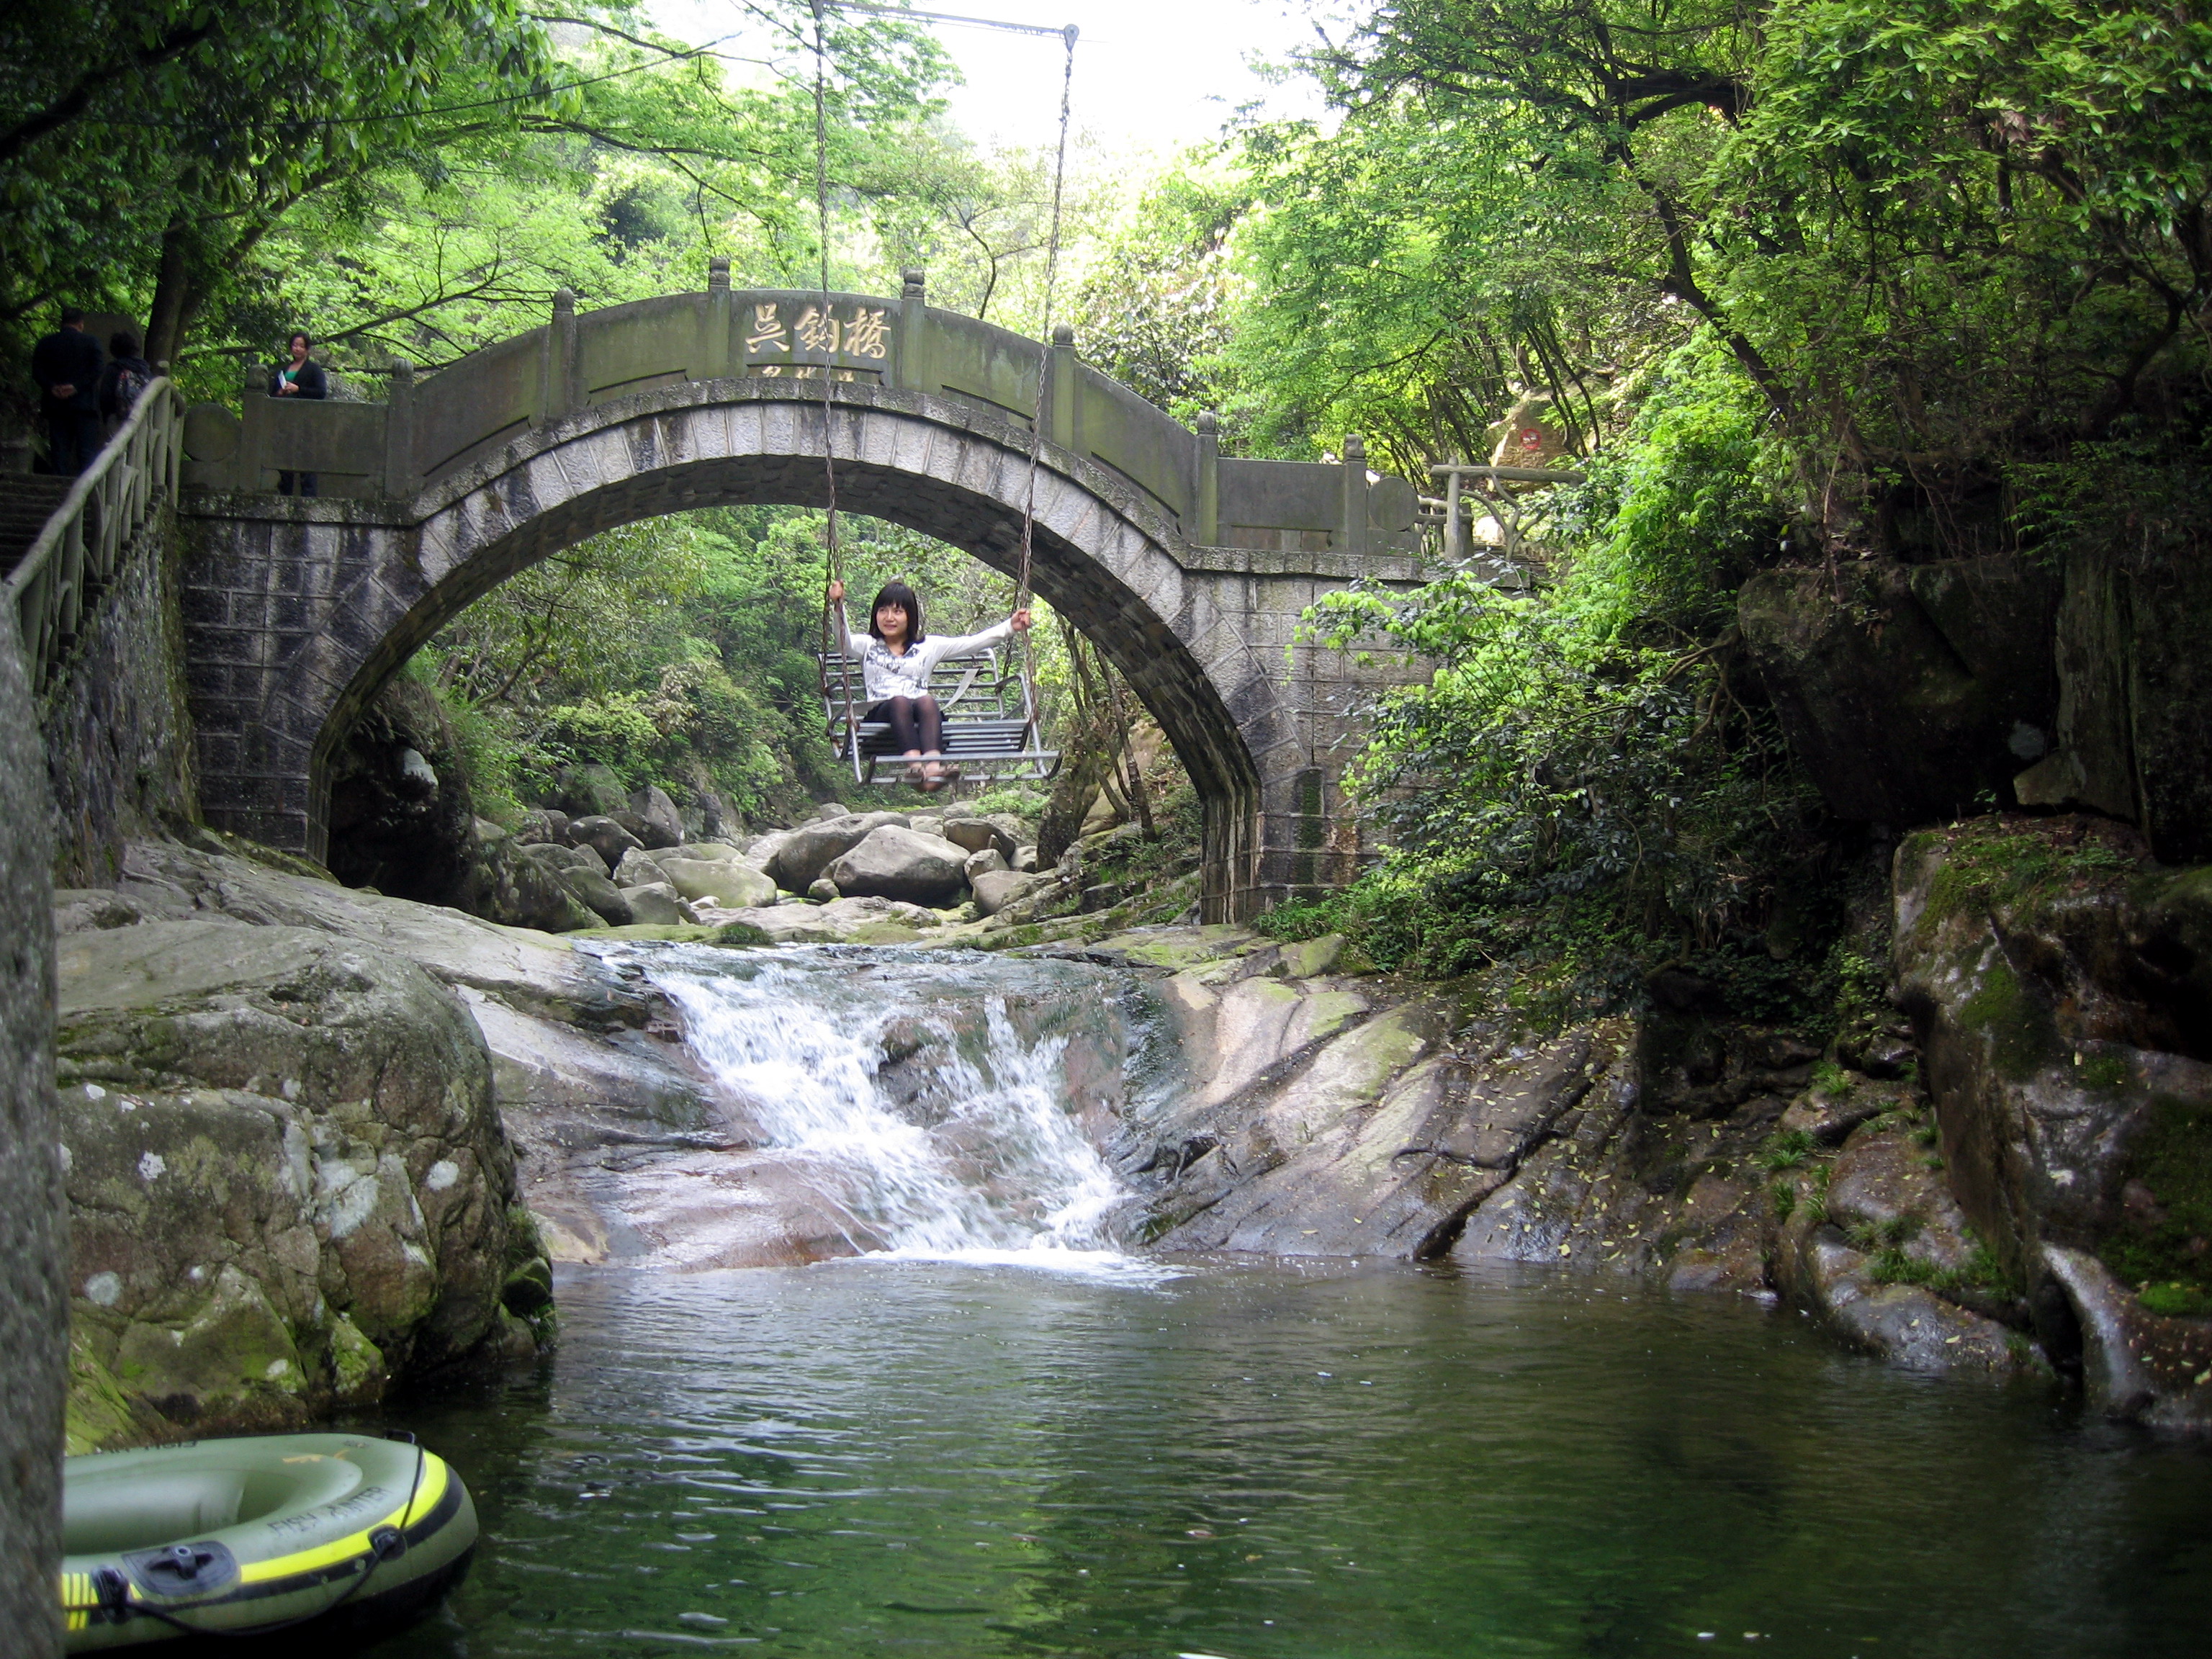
<point x="999" y="1432"/>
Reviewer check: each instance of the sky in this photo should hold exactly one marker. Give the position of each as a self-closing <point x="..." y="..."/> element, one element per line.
<point x="1150" y="76"/>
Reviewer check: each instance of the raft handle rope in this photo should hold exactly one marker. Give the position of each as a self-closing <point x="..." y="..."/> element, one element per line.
<point x="386" y="1543"/>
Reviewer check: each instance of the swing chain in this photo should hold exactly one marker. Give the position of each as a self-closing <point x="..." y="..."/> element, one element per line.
<point x="1031" y="736"/>
<point x="833" y="610"/>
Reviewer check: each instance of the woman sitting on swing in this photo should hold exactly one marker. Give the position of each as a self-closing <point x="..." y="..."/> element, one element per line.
<point x="896" y="655"/>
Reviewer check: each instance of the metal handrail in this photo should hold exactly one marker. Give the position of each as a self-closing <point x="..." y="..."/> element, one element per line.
<point x="81" y="548"/>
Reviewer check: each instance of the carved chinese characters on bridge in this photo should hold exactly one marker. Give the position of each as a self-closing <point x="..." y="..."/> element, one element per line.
<point x="862" y="331"/>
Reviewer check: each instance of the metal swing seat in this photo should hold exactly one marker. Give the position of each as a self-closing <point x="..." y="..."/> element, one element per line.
<point x="990" y="726"/>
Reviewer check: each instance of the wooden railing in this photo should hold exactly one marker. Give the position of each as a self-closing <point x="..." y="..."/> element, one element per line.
<point x="76" y="556"/>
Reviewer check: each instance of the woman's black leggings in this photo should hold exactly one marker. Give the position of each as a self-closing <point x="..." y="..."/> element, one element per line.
<point x="916" y="723"/>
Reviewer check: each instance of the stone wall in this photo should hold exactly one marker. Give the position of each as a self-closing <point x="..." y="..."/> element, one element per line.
<point x="119" y="737"/>
<point x="33" y="1298"/>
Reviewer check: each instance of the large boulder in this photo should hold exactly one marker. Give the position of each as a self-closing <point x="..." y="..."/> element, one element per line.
<point x="601" y="897"/>
<point x="554" y="856"/>
<point x="727" y="883"/>
<point x="288" y="1185"/>
<point x="894" y="863"/>
<point x="659" y="823"/>
<point x="801" y="857"/>
<point x="638" y="868"/>
<point x="515" y="885"/>
<point x="980" y="834"/>
<point x="2061" y="989"/>
<point x="542" y="824"/>
<point x="605" y="836"/>
<point x="658" y="904"/>
<point x="996" y="889"/>
<point x="1908" y="691"/>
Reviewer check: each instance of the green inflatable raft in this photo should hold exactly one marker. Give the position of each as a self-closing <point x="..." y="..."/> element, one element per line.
<point x="242" y="1537"/>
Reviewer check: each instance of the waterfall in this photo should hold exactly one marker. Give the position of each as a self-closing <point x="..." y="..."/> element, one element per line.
<point x="929" y="1092"/>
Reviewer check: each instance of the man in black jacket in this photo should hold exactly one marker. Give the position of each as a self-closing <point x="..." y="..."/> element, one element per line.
<point x="298" y="377"/>
<point x="66" y="366"/>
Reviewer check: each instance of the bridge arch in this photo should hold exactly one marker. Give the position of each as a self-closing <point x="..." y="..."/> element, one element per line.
<point x="1104" y="558"/>
<point x="1186" y="569"/>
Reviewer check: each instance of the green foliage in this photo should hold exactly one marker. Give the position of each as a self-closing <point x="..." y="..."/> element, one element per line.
<point x="1564" y="802"/>
<point x="1680" y="509"/>
<point x="1791" y="1150"/>
<point x="2164" y="1247"/>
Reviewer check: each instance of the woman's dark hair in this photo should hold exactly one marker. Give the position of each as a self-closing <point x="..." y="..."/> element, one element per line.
<point x="905" y="598"/>
<point x="123" y="344"/>
<point x="299" y="334"/>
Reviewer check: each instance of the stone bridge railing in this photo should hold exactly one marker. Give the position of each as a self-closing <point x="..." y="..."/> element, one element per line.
<point x="1317" y="513"/>
<point x="76" y="556"/>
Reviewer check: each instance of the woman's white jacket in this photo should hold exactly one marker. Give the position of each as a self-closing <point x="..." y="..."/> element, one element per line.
<point x="887" y="676"/>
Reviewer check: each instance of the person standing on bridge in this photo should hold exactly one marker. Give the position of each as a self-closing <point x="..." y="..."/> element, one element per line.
<point x="301" y="377"/>
<point x="66" y="366"/>
<point x="896" y="655"/>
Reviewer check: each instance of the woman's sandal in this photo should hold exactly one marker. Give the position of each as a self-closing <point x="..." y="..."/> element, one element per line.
<point x="916" y="776"/>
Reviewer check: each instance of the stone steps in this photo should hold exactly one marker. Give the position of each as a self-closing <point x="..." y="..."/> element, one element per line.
<point x="27" y="500"/>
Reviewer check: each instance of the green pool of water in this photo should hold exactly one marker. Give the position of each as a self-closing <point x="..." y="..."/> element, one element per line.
<point x="903" y="1458"/>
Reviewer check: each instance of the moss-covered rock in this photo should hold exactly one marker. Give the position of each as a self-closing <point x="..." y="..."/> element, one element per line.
<point x="289" y="1184"/>
<point x="2062" y="983"/>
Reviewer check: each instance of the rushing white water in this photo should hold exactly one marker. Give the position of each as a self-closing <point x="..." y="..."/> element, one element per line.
<point x="972" y="1151"/>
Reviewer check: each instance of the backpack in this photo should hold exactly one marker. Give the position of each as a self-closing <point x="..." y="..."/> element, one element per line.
<point x="129" y="381"/>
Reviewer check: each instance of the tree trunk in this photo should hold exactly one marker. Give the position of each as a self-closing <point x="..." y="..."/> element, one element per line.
<point x="175" y="294"/>
<point x="1091" y="750"/>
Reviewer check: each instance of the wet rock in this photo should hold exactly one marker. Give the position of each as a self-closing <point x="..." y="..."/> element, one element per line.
<point x="844" y="921"/>
<point x="985" y="863"/>
<point x="602" y="898"/>
<point x="895" y="863"/>
<point x="2062" y="994"/>
<point x="287" y="1180"/>
<point x="824" y="891"/>
<point x="1346" y="1148"/>
<point x="726" y="885"/>
<point x="1903" y="1323"/>
<point x="659" y="904"/>
<point x="2136" y="1364"/>
<point x="605" y="835"/>
<point x="999" y="890"/>
<point x="1829" y="1115"/>
<point x="806" y="853"/>
<point x="659" y="823"/>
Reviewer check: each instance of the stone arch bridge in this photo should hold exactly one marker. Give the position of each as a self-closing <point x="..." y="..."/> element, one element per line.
<point x="1187" y="568"/>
